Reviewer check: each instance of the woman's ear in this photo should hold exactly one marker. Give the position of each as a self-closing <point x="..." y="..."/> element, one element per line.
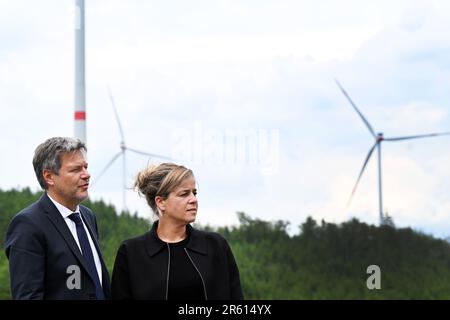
<point x="160" y="203"/>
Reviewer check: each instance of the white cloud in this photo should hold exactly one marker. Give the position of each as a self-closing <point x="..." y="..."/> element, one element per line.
<point x="249" y="66"/>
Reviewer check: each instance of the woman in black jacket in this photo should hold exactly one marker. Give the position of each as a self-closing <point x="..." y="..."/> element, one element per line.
<point x="174" y="261"/>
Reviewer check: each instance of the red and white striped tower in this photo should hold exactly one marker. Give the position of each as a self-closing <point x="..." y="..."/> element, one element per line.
<point x="80" y="86"/>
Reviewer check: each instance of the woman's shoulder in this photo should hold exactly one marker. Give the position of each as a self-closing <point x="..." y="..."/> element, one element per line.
<point x="210" y="236"/>
<point x="136" y="240"/>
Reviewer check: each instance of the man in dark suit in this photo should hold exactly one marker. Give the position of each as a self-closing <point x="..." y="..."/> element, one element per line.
<point x="52" y="245"/>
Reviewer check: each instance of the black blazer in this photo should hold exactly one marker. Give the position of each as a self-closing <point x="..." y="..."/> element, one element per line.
<point x="141" y="267"/>
<point x="40" y="248"/>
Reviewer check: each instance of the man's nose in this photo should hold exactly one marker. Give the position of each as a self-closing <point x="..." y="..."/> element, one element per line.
<point x="86" y="174"/>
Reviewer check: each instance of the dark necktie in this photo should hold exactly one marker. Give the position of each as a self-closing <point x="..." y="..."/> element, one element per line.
<point x="87" y="254"/>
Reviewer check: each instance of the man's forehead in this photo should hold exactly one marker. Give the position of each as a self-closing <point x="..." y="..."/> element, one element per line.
<point x="75" y="156"/>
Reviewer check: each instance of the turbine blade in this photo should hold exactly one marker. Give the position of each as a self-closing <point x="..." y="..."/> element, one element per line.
<point x="117" y="116"/>
<point x="418" y="136"/>
<point x="148" y="154"/>
<point x="106" y="168"/>
<point x="362" y="171"/>
<point x="356" y="109"/>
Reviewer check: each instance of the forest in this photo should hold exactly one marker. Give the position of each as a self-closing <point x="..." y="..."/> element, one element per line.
<point x="321" y="261"/>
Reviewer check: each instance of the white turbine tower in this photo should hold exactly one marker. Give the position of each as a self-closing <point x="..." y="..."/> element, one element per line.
<point x="80" y="86"/>
<point x="122" y="153"/>
<point x="379" y="138"/>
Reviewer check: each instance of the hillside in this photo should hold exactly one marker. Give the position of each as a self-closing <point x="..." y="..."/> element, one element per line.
<point x="324" y="261"/>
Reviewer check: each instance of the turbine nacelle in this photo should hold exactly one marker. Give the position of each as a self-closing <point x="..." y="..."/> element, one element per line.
<point x="380" y="137"/>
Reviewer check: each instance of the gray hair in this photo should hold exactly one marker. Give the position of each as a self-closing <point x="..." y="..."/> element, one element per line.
<point x="47" y="155"/>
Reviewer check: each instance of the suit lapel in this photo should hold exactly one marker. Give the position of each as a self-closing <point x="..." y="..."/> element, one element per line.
<point x="93" y="234"/>
<point x="60" y="225"/>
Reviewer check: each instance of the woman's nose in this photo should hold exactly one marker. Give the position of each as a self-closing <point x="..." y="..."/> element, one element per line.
<point x="193" y="198"/>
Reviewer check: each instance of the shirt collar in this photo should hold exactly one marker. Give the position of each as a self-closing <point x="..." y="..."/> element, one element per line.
<point x="65" y="212"/>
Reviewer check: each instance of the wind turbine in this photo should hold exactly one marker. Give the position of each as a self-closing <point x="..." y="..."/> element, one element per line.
<point x="80" y="79"/>
<point x="122" y="153"/>
<point x="379" y="138"/>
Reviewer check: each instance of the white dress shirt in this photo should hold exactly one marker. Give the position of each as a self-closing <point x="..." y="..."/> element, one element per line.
<point x="65" y="212"/>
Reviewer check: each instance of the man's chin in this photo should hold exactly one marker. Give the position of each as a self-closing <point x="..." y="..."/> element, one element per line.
<point x="82" y="196"/>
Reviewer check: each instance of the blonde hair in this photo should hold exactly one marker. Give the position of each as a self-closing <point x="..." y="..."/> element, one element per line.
<point x="160" y="180"/>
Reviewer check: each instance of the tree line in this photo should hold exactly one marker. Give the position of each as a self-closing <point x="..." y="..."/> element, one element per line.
<point x="323" y="261"/>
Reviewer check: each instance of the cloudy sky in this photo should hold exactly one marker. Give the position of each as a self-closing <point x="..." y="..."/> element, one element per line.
<point x="243" y="93"/>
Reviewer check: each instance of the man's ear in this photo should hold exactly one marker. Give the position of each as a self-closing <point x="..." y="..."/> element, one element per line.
<point x="160" y="203"/>
<point x="48" y="177"/>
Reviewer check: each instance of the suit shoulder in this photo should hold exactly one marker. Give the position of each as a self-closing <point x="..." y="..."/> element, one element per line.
<point x="25" y="227"/>
<point x="31" y="213"/>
